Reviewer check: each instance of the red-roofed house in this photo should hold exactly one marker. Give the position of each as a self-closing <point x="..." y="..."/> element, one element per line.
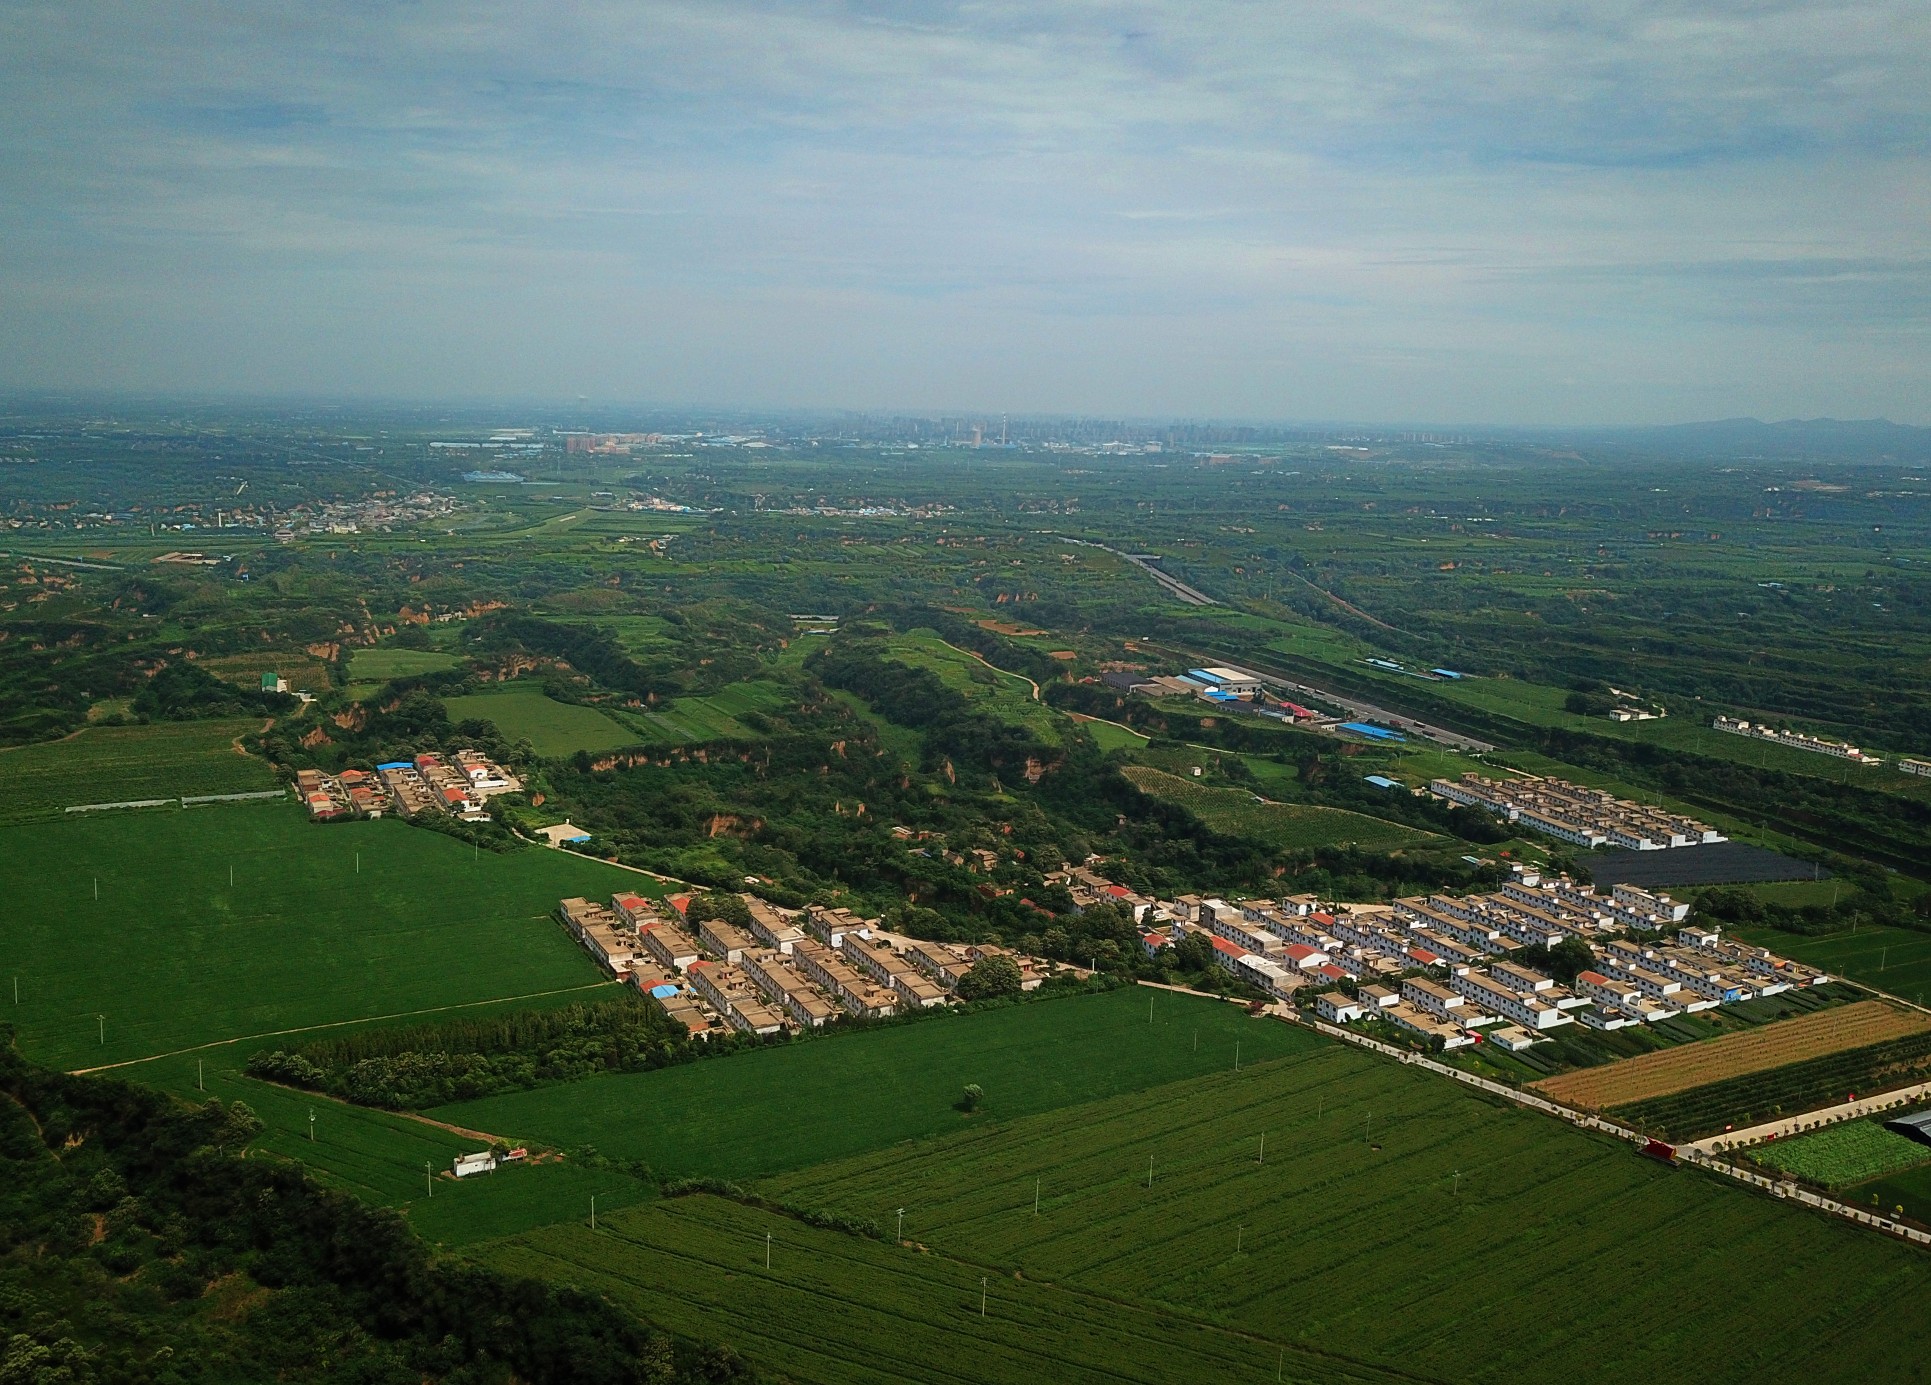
<point x="1227" y="954"/>
<point x="1305" y="957"/>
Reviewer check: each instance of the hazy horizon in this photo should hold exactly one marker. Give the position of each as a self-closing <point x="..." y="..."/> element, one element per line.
<point x="1638" y="214"/>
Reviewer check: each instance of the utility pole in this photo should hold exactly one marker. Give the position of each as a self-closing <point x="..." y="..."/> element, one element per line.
<point x="593" y="1211"/>
<point x="1236" y="1055"/>
<point x="103" y="1022"/>
<point x="982" y="1296"/>
<point x="1149" y="1170"/>
<point x="1263" y="1154"/>
<point x="1456" y="1191"/>
<point x="428" y="1178"/>
<point x="311" y="1125"/>
<point x="767" y="1250"/>
<point x="901" y="1226"/>
<point x="197" y="1076"/>
<point x="1035" y="1197"/>
<point x="1240" y="1235"/>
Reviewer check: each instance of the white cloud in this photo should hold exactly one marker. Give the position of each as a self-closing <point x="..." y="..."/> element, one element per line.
<point x="1459" y="210"/>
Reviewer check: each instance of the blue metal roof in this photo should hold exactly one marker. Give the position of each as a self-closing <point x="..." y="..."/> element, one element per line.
<point x="1447" y="672"/>
<point x="663" y="992"/>
<point x="1382" y="781"/>
<point x="1378" y="733"/>
<point x="397" y="764"/>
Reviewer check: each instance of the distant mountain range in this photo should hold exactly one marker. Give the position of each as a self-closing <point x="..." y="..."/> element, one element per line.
<point x="1824" y="439"/>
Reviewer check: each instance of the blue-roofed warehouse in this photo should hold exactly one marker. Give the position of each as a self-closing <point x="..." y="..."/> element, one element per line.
<point x="1382" y="781"/>
<point x="1372" y="732"/>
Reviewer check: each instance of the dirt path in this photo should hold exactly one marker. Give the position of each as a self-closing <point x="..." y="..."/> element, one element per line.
<point x="266" y="727"/>
<point x="994" y="667"/>
<point x="335" y="1024"/>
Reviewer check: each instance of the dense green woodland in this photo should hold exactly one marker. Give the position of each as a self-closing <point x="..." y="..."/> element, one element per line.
<point x="140" y="1247"/>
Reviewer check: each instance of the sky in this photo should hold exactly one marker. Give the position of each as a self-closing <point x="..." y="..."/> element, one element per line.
<point x="1419" y="210"/>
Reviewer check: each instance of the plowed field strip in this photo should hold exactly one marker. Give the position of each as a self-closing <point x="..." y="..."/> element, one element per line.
<point x="1733" y="1055"/>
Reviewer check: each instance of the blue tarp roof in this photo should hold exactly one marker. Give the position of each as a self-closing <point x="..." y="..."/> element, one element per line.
<point x="663" y="992"/>
<point x="397" y="764"/>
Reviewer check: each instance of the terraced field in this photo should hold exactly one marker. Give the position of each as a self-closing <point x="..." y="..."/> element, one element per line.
<point x="381" y="665"/>
<point x="1236" y="812"/>
<point x="113" y="764"/>
<point x="554" y="728"/>
<point x="1733" y="1055"/>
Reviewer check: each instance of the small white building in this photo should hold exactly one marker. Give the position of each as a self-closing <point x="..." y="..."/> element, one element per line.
<point x="1337" y="1007"/>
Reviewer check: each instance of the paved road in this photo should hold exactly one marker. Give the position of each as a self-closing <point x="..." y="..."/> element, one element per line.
<point x="1148" y="563"/>
<point x="1810" y="1120"/>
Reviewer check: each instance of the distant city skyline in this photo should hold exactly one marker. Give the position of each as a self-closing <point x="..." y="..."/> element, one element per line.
<point x="1452" y="212"/>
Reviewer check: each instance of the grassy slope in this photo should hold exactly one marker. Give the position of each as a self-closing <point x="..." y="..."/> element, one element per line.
<point x="554" y="728"/>
<point x="380" y="665"/>
<point x="783" y="1108"/>
<point x="112" y="764"/>
<point x="1235" y="812"/>
<point x="993" y="691"/>
<point x="174" y="956"/>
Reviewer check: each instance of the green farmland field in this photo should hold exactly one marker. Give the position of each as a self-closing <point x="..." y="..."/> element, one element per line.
<point x="381" y="665"/>
<point x="174" y="956"/>
<point x="1897" y="960"/>
<point x="783" y="1108"/>
<point x="1357" y="1235"/>
<point x="114" y="764"/>
<point x="1393" y="1213"/>
<point x="1910" y="1189"/>
<point x="1839" y="1155"/>
<point x="554" y="728"/>
<point x="1108" y="735"/>
<point x="854" y="1311"/>
<point x="388" y="1160"/>
<point x="1236" y="813"/>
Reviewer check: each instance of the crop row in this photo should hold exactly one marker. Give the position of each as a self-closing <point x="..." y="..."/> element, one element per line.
<point x="1377" y="1247"/>
<point x="1788" y="1090"/>
<point x="849" y="1311"/>
<point x="1840" y="1155"/>
<point x="1733" y="1055"/>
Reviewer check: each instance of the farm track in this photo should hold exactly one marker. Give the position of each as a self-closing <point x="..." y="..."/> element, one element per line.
<point x="1733" y="1055"/>
<point x="994" y="667"/>
<point x="335" y="1024"/>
